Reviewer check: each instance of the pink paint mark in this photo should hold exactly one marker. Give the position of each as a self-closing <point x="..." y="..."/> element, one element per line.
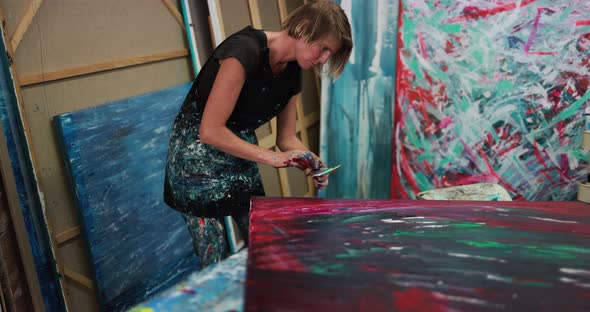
<point x="583" y="23"/>
<point x="538" y="154"/>
<point x="543" y="53"/>
<point x="472" y="12"/>
<point x="408" y="172"/>
<point x="422" y="45"/>
<point x="189" y="291"/>
<point x="533" y="34"/>
<point x="527" y="47"/>
<point x="426" y="165"/>
<point x="494" y="173"/>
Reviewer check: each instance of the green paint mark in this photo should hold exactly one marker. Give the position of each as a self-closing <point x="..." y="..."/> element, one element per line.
<point x="423" y="181"/>
<point x="447" y="160"/>
<point x="326" y="268"/>
<point x="466" y="225"/>
<point x="478" y="56"/>
<point x="576" y="107"/>
<point x="431" y="5"/>
<point x="412" y="135"/>
<point x="536" y="284"/>
<point x="409" y="31"/>
<point x="415" y="67"/>
<point x="427" y="157"/>
<point x="566" y="14"/>
<point x="458" y="149"/>
<point x="356" y="219"/>
<point x="462" y="104"/>
<point x="451" y="28"/>
<point x="503" y="86"/>
<point x="569" y="248"/>
<point x="355" y="253"/>
<point x="483" y="244"/>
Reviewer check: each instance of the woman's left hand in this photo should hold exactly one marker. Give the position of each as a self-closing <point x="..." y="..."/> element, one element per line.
<point x="320" y="182"/>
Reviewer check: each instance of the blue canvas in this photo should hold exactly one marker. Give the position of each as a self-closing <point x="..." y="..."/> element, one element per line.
<point x="28" y="195"/>
<point x="218" y="287"/>
<point x="116" y="155"/>
<point x="357" y="108"/>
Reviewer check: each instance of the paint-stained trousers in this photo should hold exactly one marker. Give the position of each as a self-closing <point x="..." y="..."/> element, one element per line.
<point x="210" y="238"/>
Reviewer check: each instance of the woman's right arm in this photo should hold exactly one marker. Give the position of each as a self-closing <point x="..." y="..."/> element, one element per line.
<point x="220" y="105"/>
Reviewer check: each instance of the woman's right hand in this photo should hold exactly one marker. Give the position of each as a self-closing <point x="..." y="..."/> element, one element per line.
<point x="295" y="158"/>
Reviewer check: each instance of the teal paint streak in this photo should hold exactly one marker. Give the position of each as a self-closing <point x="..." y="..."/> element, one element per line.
<point x="357" y="116"/>
<point x="573" y="109"/>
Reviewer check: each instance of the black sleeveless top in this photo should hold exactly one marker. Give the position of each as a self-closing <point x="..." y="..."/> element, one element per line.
<point x="263" y="95"/>
<point x="202" y="180"/>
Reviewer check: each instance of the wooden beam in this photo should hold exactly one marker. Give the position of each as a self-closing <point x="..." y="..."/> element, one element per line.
<point x="175" y="13"/>
<point x="12" y="191"/>
<point x="25" y="22"/>
<point x="216" y="21"/>
<point x="67" y="235"/>
<point x="78" y="278"/>
<point x="255" y="14"/>
<point x="100" y="67"/>
<point x="283" y="11"/>
<point x="308" y="120"/>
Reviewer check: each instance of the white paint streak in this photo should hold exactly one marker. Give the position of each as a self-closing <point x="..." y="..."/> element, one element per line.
<point x="553" y="220"/>
<point x="461" y="255"/>
<point x="575" y="271"/>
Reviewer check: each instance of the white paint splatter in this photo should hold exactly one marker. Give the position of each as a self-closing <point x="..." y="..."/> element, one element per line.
<point x="553" y="220"/>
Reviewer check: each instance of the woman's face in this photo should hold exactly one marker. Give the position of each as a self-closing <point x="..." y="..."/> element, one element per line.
<point x="316" y="53"/>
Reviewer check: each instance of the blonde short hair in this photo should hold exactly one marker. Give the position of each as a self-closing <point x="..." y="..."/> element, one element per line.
<point x="318" y="19"/>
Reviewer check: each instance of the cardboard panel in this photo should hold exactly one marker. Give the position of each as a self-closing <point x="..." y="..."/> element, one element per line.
<point x="116" y="154"/>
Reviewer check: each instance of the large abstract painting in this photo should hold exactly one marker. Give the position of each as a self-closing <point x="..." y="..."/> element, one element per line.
<point x="360" y="255"/>
<point x="115" y="154"/>
<point x="357" y="108"/>
<point x="492" y="91"/>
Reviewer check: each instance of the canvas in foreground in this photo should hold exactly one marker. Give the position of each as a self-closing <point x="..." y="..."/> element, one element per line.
<point x="335" y="255"/>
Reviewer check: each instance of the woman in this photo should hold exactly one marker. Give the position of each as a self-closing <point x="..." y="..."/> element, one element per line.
<point x="250" y="78"/>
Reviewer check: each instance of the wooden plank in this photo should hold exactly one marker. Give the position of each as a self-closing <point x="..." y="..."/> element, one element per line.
<point x="67" y="235"/>
<point x="283" y="11"/>
<point x="24" y="23"/>
<point x="11" y="187"/>
<point x="255" y="14"/>
<point x="304" y="138"/>
<point x="78" y="278"/>
<point x="216" y="21"/>
<point x="101" y="67"/>
<point x="283" y="174"/>
<point x="175" y="13"/>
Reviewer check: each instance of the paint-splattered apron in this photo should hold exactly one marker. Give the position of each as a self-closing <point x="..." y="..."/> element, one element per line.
<point x="202" y="180"/>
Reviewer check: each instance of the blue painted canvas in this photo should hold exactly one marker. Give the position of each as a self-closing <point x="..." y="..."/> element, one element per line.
<point x="218" y="287"/>
<point x="28" y="195"/>
<point x="357" y="121"/>
<point x="116" y="155"/>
